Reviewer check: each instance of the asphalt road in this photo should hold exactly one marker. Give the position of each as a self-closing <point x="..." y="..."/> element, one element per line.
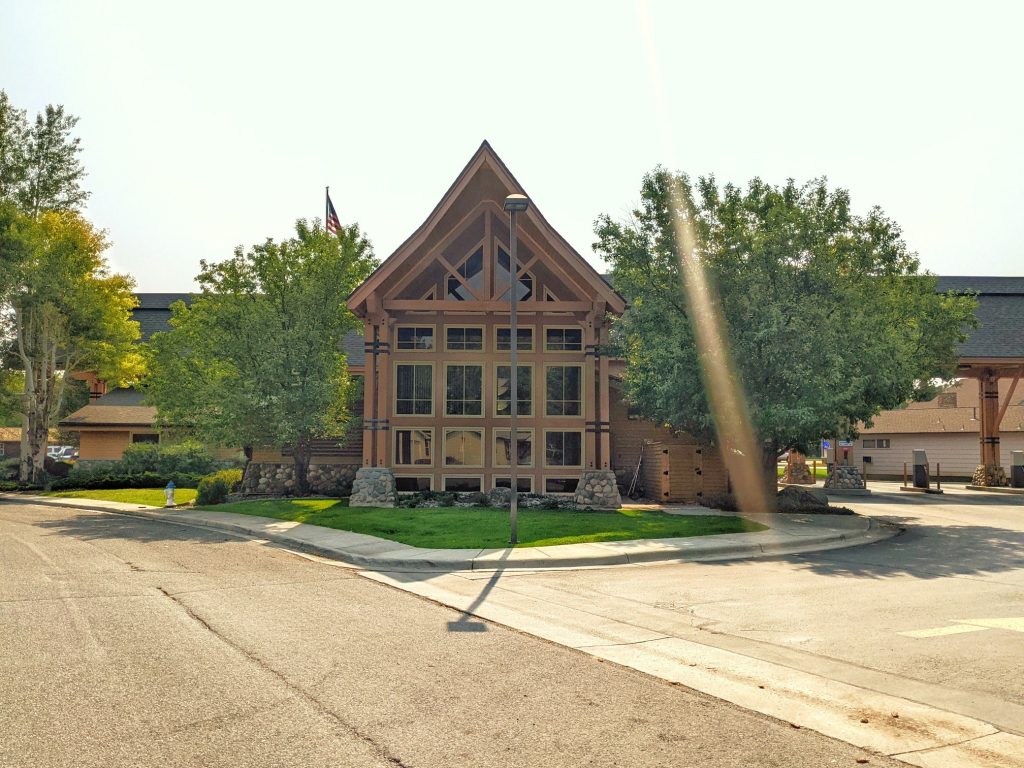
<point x="125" y="642"/>
<point x="935" y="615"/>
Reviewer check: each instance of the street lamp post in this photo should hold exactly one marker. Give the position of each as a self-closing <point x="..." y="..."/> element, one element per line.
<point x="514" y="204"/>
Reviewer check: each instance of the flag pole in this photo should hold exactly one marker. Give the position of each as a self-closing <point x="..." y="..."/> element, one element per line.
<point x="327" y="209"/>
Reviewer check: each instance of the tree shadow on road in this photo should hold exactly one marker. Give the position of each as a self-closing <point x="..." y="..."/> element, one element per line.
<point x="921" y="551"/>
<point x="90" y="526"/>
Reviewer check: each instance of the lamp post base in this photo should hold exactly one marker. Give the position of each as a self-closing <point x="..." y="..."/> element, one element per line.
<point x="374" y="487"/>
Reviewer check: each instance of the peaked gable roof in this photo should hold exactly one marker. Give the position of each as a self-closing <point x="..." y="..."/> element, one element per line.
<point x="485" y="158"/>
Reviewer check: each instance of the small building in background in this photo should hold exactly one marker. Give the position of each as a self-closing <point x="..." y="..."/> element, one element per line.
<point x="947" y="428"/>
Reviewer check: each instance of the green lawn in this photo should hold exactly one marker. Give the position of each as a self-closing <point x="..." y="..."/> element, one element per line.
<point x="470" y="527"/>
<point x="153" y="497"/>
<point x="821" y="472"/>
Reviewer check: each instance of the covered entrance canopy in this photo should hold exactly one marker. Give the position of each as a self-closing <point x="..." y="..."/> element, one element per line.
<point x="993" y="351"/>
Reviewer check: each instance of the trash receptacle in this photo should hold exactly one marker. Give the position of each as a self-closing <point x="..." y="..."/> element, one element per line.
<point x="1017" y="469"/>
<point x="921" y="478"/>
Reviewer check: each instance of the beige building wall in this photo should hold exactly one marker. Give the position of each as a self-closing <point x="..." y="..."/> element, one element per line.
<point x="956" y="452"/>
<point x="102" y="445"/>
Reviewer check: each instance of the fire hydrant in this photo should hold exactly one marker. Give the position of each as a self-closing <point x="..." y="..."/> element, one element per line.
<point x="169" y="493"/>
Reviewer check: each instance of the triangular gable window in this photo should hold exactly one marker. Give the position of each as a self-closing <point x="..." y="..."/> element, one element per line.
<point x="502" y="279"/>
<point x="472" y="271"/>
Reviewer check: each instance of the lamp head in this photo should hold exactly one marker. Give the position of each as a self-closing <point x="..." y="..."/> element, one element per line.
<point x="517" y="203"/>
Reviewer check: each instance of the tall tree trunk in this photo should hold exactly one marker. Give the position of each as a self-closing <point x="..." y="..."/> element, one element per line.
<point x="39" y="335"/>
<point x="301" y="453"/>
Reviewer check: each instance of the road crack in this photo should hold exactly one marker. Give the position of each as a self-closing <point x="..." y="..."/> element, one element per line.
<point x="382" y="751"/>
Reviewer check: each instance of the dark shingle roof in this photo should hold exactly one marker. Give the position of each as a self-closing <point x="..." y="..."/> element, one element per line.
<point x="154" y="311"/>
<point x="153" y="316"/>
<point x="120" y="396"/>
<point x="352" y="345"/>
<point x="989" y="286"/>
<point x="1000" y="314"/>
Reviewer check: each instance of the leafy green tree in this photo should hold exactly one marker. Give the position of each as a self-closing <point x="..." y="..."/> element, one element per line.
<point x="40" y="168"/>
<point x="68" y="313"/>
<point x="827" y="316"/>
<point x="256" y="358"/>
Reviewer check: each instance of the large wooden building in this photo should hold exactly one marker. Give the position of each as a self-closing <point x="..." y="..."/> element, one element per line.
<point x="437" y="372"/>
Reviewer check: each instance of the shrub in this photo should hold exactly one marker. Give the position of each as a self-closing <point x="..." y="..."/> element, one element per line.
<point x="189" y="457"/>
<point x="723" y="501"/>
<point x="8" y="469"/>
<point x="214" y="489"/>
<point x="105" y="475"/>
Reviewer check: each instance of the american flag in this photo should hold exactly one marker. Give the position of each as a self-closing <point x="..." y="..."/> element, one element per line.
<point x="332" y="224"/>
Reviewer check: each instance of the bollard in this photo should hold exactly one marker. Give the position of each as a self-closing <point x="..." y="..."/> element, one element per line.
<point x="904" y="474"/>
<point x="938" y="476"/>
<point x="169" y="493"/>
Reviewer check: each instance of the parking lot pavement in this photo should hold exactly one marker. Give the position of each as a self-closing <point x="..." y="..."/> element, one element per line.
<point x="933" y="616"/>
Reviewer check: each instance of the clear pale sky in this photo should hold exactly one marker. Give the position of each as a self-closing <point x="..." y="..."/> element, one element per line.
<point x="212" y="124"/>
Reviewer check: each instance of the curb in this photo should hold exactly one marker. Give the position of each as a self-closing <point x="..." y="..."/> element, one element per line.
<point x="693" y="549"/>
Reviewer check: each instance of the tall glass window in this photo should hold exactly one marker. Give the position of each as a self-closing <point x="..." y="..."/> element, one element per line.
<point x="563" y="449"/>
<point x="464" y="447"/>
<point x="414" y="390"/>
<point x="464" y="390"/>
<point x="563" y="390"/>
<point x="413" y="446"/>
<point x="524" y="391"/>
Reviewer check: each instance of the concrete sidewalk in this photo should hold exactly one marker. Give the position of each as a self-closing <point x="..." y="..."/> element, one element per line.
<point x="786" y="534"/>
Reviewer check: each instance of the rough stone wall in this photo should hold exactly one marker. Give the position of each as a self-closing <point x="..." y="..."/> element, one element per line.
<point x="990" y="476"/>
<point x="598" y="490"/>
<point x="797" y="470"/>
<point x="271" y="478"/>
<point x="845" y="477"/>
<point x="373" y="487"/>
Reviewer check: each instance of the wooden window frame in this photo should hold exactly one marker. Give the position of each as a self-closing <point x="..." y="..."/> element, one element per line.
<point x="420" y="350"/>
<point x="519" y="479"/>
<point x="533" y="392"/>
<point x="494" y="447"/>
<point x="445" y="478"/>
<point x="545" y="479"/>
<point x="483" y="447"/>
<point x="583" y="449"/>
<point x="483" y="337"/>
<point x="580" y="351"/>
<point x="406" y="428"/>
<point x="583" y="391"/>
<point x="429" y="477"/>
<point x="530" y="328"/>
<point x="483" y="390"/>
<point x="394" y="388"/>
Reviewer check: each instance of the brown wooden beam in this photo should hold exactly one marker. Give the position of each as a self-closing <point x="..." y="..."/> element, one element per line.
<point x="1009" y="397"/>
<point x="448" y="305"/>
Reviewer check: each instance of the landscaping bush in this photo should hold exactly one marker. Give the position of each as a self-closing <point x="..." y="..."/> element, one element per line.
<point x="723" y="501"/>
<point x="7" y="486"/>
<point x="8" y="469"/>
<point x="57" y="468"/>
<point x="214" y="489"/>
<point x="102" y="475"/>
<point x="189" y="458"/>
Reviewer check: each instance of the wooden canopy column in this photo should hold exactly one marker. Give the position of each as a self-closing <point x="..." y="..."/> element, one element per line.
<point x="988" y="392"/>
<point x="603" y="421"/>
<point x="376" y="402"/>
<point x="590" y="391"/>
<point x="369" y="392"/>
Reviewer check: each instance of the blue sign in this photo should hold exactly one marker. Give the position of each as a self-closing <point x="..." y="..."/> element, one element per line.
<point x="826" y="444"/>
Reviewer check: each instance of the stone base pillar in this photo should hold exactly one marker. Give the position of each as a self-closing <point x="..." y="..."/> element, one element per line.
<point x="845" y="477"/>
<point x="990" y="476"/>
<point x="598" y="490"/>
<point x="373" y="487"/>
